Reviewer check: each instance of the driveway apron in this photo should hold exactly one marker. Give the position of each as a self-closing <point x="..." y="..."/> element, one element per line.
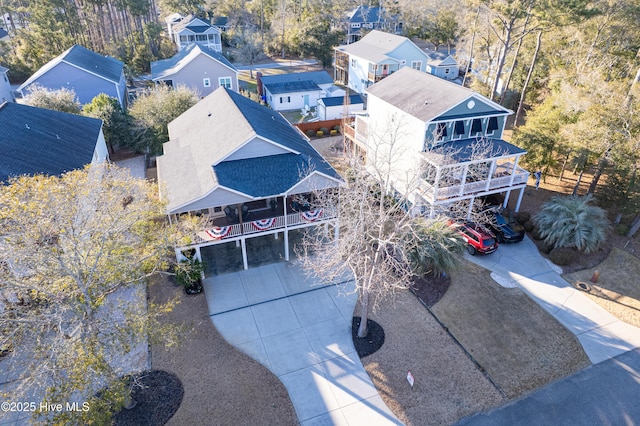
<point x="602" y="335"/>
<point x="300" y="329"/>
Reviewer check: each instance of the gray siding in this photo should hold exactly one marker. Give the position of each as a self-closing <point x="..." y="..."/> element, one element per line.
<point x="193" y="74"/>
<point x="479" y="107"/>
<point x="256" y="148"/>
<point x="219" y="197"/>
<point x="86" y="85"/>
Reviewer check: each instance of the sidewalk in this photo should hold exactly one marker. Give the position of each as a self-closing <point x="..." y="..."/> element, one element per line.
<point x="601" y="334"/>
<point x="300" y="331"/>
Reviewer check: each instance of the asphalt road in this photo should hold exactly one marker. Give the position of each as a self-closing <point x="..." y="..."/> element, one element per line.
<point x="607" y="393"/>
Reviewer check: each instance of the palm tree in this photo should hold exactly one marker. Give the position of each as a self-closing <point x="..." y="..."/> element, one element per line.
<point x="436" y="247"/>
<point x="572" y="221"/>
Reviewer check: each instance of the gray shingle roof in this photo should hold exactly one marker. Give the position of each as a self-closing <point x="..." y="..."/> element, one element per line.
<point x="318" y="77"/>
<point x="463" y="150"/>
<point x="367" y="14"/>
<point x="292" y="86"/>
<point x="169" y="66"/>
<point x="41" y="141"/>
<point x="216" y="127"/>
<point x="422" y="95"/>
<point x="375" y="46"/>
<point x="3" y="33"/>
<point x="339" y="100"/>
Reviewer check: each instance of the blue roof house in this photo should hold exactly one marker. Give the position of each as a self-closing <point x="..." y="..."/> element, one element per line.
<point x="85" y="72"/>
<point x="199" y="68"/>
<point x="369" y="18"/>
<point x="246" y="169"/>
<point x="42" y="141"/>
<point x="451" y="148"/>
<point x="196" y="30"/>
<point x="284" y="92"/>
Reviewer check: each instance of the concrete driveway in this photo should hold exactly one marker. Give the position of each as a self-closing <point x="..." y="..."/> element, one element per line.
<point x="299" y="329"/>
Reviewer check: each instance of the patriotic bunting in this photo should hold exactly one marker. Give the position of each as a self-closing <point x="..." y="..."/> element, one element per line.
<point x="218" y="233"/>
<point x="263" y="224"/>
<point x="312" y="215"/>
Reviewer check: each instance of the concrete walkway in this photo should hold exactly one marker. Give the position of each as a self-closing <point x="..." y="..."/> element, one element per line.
<point x="301" y="331"/>
<point x="601" y="334"/>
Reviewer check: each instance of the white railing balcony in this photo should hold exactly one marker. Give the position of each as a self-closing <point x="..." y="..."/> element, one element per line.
<point x="499" y="181"/>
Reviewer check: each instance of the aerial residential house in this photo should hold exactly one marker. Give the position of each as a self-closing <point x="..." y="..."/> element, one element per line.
<point x="6" y="94"/>
<point x="338" y="107"/>
<point x="196" y="30"/>
<point x="376" y="56"/>
<point x="442" y="65"/>
<point x="42" y="141"/>
<point x="198" y="67"/>
<point x="247" y="170"/>
<point x="444" y="142"/>
<point x="85" y="72"/>
<point x="284" y="92"/>
<point x="366" y="18"/>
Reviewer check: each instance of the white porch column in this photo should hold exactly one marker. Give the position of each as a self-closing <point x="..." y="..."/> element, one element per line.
<point x="492" y="169"/>
<point x="275" y="236"/>
<point x="463" y="181"/>
<point x="519" y="199"/>
<point x="326" y="229"/>
<point x="198" y="254"/>
<point x="336" y="230"/>
<point x="286" y="245"/>
<point x="506" y="199"/>
<point x="513" y="172"/>
<point x="470" y="210"/>
<point x="431" y="211"/>
<point x="245" y="263"/>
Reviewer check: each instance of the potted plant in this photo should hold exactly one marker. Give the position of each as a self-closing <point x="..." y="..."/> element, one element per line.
<point x="189" y="275"/>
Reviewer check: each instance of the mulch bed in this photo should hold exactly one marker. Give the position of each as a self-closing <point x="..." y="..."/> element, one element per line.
<point x="157" y="400"/>
<point x="430" y="288"/>
<point x="370" y="344"/>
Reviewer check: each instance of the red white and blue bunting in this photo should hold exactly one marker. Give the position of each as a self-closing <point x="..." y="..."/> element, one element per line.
<point x="218" y="233"/>
<point x="312" y="215"/>
<point x="263" y="224"/>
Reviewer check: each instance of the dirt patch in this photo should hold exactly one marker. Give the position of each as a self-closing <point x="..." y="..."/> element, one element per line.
<point x="616" y="289"/>
<point x="221" y="384"/>
<point x="518" y="344"/>
<point x="430" y="288"/>
<point x="448" y="386"/>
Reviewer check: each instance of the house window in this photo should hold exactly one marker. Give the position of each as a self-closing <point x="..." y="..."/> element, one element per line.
<point x="476" y="126"/>
<point x="416" y="65"/>
<point x="492" y="126"/>
<point x="446" y="70"/>
<point x="201" y="37"/>
<point x="169" y="83"/>
<point x="280" y="99"/>
<point x="206" y="82"/>
<point x="184" y="39"/>
<point x="458" y="129"/>
<point x="225" y="82"/>
<point x="288" y="99"/>
<point x="441" y="131"/>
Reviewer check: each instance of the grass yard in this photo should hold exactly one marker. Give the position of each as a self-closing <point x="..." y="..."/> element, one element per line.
<point x="618" y="287"/>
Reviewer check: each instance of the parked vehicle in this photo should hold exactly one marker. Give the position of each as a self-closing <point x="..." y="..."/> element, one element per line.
<point x="506" y="229"/>
<point x="479" y="239"/>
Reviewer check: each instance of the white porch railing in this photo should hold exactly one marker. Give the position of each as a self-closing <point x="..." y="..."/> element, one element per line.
<point x="430" y="192"/>
<point x="220" y="233"/>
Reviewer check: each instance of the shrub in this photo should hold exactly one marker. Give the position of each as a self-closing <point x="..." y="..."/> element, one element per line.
<point x="310" y="133"/>
<point x="189" y="275"/>
<point x="572" y="222"/>
<point x="563" y="256"/>
<point x="523" y="217"/>
<point x="337" y="128"/>
<point x="622" y="229"/>
<point x="528" y="226"/>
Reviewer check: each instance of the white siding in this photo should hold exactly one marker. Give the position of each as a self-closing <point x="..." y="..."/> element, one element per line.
<point x="101" y="153"/>
<point x="313" y="182"/>
<point x="218" y="197"/>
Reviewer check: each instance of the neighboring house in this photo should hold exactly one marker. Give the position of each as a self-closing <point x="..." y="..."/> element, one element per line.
<point x="196" y="30"/>
<point x="196" y="66"/>
<point x="222" y="22"/>
<point x="334" y="107"/>
<point x="171" y="21"/>
<point x="365" y="18"/>
<point x="85" y="72"/>
<point x="42" y="141"/>
<point x="377" y="55"/>
<point x="285" y="92"/>
<point x="6" y="94"/>
<point x="244" y="167"/>
<point x="443" y="141"/>
<point x="442" y="65"/>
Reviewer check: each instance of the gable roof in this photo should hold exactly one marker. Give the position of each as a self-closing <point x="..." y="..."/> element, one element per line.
<point x="3" y="33"/>
<point x="292" y="86"/>
<point x="440" y="58"/>
<point x="105" y="67"/>
<point x="375" y="46"/>
<point x="216" y="127"/>
<point x="165" y="67"/>
<point x="37" y="140"/>
<point x="366" y="14"/>
<point x="423" y="95"/>
<point x="462" y="151"/>
<point x="339" y="100"/>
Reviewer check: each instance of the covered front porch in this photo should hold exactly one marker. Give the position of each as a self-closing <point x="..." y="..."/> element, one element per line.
<point x="240" y="236"/>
